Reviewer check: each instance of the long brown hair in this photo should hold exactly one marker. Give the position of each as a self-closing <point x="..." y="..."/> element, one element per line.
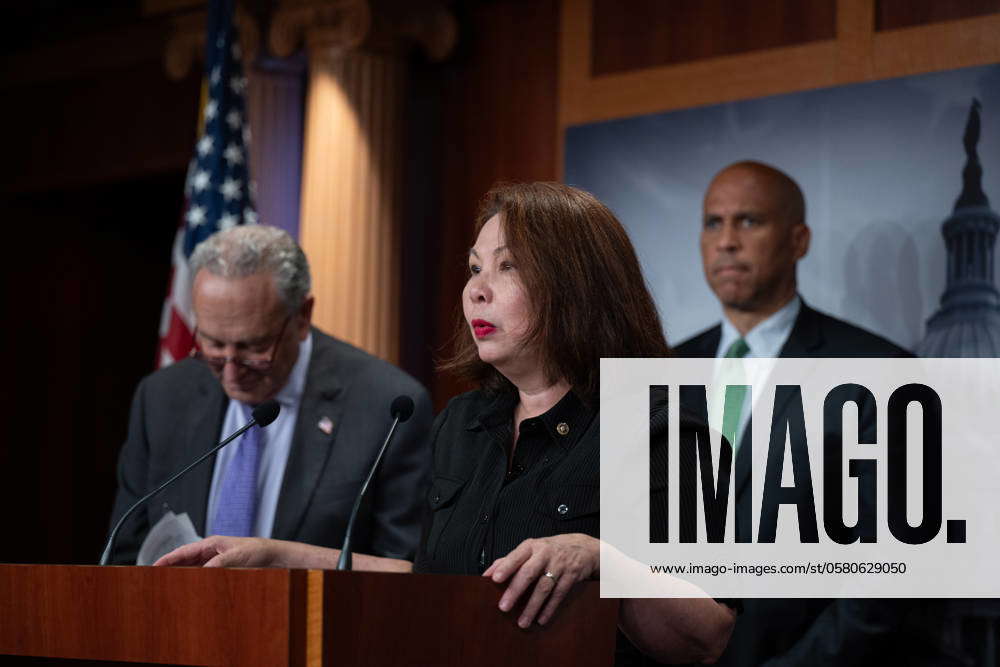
<point x="581" y="273"/>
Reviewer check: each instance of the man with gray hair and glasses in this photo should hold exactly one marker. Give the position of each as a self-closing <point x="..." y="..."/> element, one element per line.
<point x="297" y="479"/>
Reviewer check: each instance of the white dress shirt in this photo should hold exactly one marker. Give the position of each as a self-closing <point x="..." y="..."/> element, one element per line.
<point x="767" y="338"/>
<point x="765" y="342"/>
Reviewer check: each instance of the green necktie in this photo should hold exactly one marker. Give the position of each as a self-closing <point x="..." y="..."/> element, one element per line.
<point x="735" y="396"/>
<point x="738" y="349"/>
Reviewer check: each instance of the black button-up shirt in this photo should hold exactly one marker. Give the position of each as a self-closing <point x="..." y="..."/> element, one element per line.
<point x="484" y="502"/>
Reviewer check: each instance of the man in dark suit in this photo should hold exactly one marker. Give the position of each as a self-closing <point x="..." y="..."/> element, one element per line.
<point x="753" y="234"/>
<point x="296" y="479"/>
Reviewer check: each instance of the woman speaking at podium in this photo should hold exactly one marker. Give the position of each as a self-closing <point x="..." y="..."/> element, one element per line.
<point x="553" y="285"/>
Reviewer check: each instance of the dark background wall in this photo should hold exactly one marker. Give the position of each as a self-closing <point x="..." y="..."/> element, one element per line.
<point x="96" y="140"/>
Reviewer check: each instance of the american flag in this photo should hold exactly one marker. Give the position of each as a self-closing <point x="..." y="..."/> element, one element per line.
<point x="218" y="191"/>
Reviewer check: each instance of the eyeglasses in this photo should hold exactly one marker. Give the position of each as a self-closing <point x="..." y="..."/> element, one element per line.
<point x="256" y="364"/>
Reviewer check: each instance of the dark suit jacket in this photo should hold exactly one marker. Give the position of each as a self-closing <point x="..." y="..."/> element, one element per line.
<point x="814" y="334"/>
<point x="177" y="415"/>
<point x="811" y="631"/>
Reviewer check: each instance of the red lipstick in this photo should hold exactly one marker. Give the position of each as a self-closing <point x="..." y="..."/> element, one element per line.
<point x="482" y="328"/>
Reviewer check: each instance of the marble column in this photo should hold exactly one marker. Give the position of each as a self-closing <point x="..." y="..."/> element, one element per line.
<point x="350" y="220"/>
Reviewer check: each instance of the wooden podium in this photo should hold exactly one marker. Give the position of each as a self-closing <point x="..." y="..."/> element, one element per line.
<point x="195" y="616"/>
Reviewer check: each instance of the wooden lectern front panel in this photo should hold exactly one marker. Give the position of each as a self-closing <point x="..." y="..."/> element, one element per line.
<point x="182" y="616"/>
<point x="245" y="617"/>
<point x="439" y="620"/>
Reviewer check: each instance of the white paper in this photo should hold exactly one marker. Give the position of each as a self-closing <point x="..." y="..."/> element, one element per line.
<point x="170" y="532"/>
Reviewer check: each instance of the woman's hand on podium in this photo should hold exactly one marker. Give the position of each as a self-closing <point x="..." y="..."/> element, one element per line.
<point x="552" y="566"/>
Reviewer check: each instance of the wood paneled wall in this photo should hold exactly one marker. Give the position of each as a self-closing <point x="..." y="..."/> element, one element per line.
<point x="799" y="52"/>
<point x="652" y="33"/>
<point x="892" y="14"/>
<point x="498" y="124"/>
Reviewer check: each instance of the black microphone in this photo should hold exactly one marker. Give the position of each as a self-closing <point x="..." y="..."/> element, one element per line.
<point x="400" y="410"/>
<point x="262" y="415"/>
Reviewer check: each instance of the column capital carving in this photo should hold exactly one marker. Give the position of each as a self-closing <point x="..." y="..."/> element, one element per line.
<point x="186" y="42"/>
<point x="345" y="25"/>
<point x="433" y="27"/>
<point x="335" y="24"/>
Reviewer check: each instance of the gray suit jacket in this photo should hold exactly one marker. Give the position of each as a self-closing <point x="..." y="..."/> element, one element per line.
<point x="177" y="415"/>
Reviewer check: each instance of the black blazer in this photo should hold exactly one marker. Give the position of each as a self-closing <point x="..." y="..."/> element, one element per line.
<point x="177" y="415"/>
<point x="812" y="631"/>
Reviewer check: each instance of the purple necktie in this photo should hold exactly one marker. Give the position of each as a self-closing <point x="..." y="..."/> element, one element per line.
<point x="236" y="508"/>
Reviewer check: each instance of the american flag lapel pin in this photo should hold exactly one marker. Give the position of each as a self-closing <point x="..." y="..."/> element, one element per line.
<point x="326" y="425"/>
